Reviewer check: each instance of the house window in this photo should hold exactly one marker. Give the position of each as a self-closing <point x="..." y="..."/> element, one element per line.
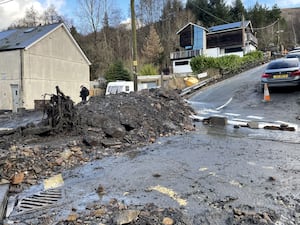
<point x="230" y="50"/>
<point x="186" y="37"/>
<point x="181" y="63"/>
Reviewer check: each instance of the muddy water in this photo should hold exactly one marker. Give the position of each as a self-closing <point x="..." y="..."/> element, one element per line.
<point x="206" y="174"/>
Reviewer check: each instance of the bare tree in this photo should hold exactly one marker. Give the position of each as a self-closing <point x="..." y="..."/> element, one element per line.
<point x="51" y="16"/>
<point x="31" y="19"/>
<point x="152" y="48"/>
<point x="149" y="11"/>
<point x="91" y="13"/>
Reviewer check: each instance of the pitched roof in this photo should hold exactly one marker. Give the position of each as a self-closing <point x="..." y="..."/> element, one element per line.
<point x="230" y="26"/>
<point x="24" y="38"/>
<point x="190" y="24"/>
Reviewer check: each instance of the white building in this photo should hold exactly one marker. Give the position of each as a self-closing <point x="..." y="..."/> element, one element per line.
<point x="33" y="61"/>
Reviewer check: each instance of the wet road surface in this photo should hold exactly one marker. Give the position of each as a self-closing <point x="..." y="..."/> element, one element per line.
<point x="206" y="174"/>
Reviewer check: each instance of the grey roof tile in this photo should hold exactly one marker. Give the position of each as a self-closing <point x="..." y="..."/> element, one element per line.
<point x="23" y="37"/>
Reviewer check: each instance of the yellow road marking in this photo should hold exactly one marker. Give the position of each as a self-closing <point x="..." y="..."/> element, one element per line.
<point x="172" y="194"/>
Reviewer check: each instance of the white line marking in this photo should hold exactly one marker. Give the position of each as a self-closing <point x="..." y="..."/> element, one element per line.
<point x="222" y="106"/>
<point x="232" y="114"/>
<point x="255" y="117"/>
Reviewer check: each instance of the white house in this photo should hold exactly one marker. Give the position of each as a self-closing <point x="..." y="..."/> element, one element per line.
<point x="192" y="40"/>
<point x="233" y="38"/>
<point x="33" y="61"/>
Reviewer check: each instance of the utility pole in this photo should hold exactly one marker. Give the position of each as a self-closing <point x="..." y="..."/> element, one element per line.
<point x="243" y="35"/>
<point x="134" y="44"/>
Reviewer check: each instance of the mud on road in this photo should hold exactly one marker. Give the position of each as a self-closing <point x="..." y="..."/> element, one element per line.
<point x="116" y="125"/>
<point x="37" y="145"/>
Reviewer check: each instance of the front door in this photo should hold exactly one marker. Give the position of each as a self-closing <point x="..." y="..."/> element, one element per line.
<point x="15" y="97"/>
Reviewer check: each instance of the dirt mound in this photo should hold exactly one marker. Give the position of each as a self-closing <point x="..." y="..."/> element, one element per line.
<point x="135" y="117"/>
<point x="72" y="135"/>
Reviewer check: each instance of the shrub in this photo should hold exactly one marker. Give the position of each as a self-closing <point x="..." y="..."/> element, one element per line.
<point x="201" y="63"/>
<point x="228" y="63"/>
<point x="148" y="69"/>
<point x="116" y="71"/>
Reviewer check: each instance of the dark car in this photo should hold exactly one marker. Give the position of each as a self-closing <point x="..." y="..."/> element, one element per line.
<point x="282" y="72"/>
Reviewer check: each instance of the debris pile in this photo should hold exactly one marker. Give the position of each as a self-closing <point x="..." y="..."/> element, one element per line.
<point x="72" y="135"/>
<point x="135" y="117"/>
<point x="61" y="113"/>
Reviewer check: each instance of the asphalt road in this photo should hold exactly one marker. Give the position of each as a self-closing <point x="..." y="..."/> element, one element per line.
<point x="215" y="175"/>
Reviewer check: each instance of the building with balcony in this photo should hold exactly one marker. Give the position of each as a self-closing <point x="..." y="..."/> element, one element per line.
<point x="233" y="38"/>
<point x="192" y="38"/>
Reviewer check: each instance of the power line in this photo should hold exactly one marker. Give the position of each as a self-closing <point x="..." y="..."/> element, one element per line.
<point x="208" y="12"/>
<point x="4" y="1"/>
<point x="270" y="25"/>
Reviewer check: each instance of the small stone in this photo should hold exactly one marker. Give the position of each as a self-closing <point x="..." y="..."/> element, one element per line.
<point x="168" y="221"/>
<point x="100" y="190"/>
<point x="18" y="178"/>
<point x="72" y="217"/>
<point x="99" y="213"/>
<point x="127" y="216"/>
<point x="271" y="179"/>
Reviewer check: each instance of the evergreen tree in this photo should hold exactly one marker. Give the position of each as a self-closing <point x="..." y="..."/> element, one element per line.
<point x="237" y="11"/>
<point x="117" y="72"/>
<point x="200" y="9"/>
<point x="220" y="12"/>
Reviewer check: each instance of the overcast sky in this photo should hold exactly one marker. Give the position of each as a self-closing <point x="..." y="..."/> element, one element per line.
<point x="13" y="10"/>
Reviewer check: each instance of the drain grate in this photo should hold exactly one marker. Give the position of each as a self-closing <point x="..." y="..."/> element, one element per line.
<point x="40" y="200"/>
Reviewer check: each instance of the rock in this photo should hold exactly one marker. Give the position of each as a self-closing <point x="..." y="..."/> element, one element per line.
<point x="168" y="221"/>
<point x="91" y="141"/>
<point x="253" y="125"/>
<point x="18" y="178"/>
<point x="99" y="212"/>
<point x="66" y="154"/>
<point x="113" y="130"/>
<point x="100" y="190"/>
<point x="215" y="121"/>
<point x="127" y="216"/>
<point x="37" y="130"/>
<point x="72" y="217"/>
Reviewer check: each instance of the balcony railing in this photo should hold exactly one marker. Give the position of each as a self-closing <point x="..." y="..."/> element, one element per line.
<point x="185" y="54"/>
<point x="251" y="38"/>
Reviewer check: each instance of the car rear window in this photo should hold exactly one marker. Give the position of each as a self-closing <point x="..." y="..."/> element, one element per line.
<point x="293" y="56"/>
<point x="282" y="64"/>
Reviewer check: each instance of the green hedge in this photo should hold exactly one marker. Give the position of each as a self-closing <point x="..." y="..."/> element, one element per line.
<point x="148" y="69"/>
<point x="229" y="63"/>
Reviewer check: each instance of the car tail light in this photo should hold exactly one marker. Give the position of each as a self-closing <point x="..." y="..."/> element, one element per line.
<point x="265" y="75"/>
<point x="296" y="73"/>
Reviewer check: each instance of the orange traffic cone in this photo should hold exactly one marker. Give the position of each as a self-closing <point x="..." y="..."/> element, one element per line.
<point x="267" y="97"/>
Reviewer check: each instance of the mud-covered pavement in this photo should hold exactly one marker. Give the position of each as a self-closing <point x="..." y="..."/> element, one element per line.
<point x="189" y="175"/>
<point x="31" y="150"/>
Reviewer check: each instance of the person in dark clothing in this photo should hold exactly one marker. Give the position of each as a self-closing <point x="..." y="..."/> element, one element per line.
<point x="84" y="92"/>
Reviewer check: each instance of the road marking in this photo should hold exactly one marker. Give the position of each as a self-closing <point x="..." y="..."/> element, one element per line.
<point x="53" y="182"/>
<point x="232" y="114"/>
<point x="255" y="117"/>
<point x="268" y="167"/>
<point x="172" y="194"/>
<point x="226" y="104"/>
